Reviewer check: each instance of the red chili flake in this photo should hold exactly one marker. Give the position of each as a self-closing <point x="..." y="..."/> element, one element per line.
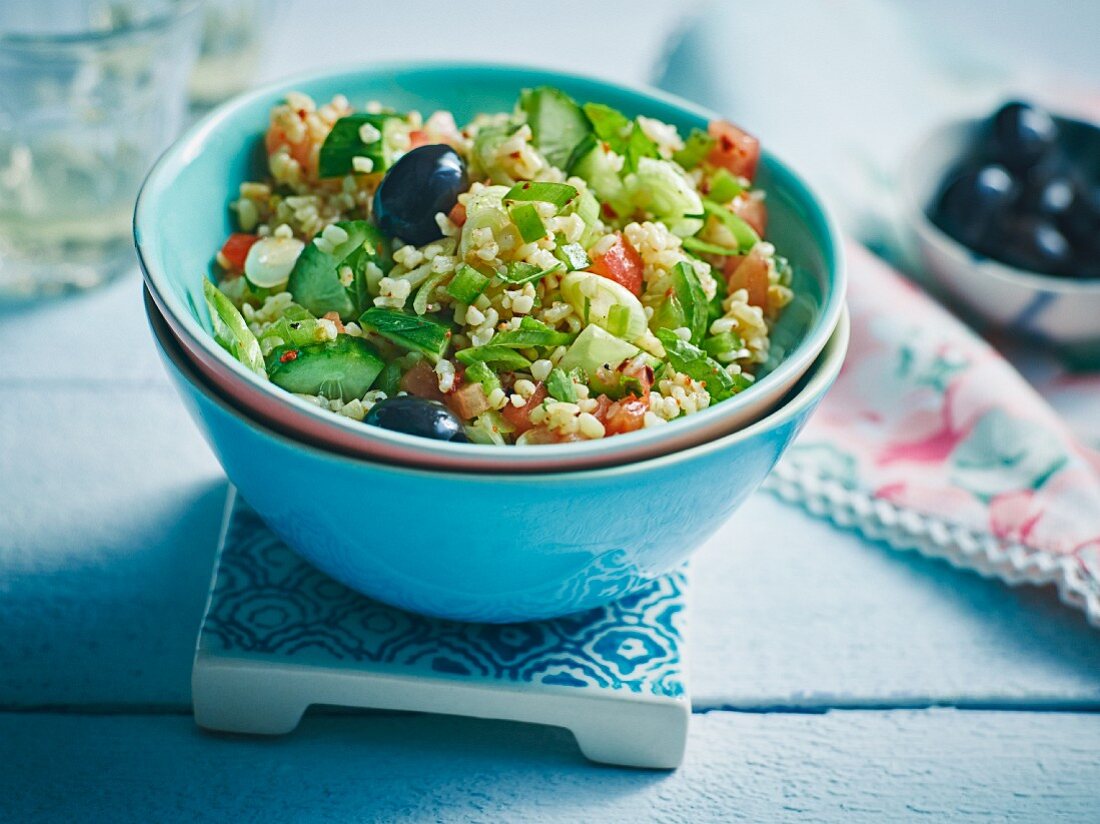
<point x="608" y="212"/>
<point x="515" y="155"/>
<point x="288" y="355"/>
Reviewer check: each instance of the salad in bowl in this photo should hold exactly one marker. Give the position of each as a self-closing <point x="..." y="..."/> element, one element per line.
<point x="557" y="272"/>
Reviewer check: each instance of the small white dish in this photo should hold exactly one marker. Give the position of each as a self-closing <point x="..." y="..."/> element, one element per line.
<point x="1063" y="312"/>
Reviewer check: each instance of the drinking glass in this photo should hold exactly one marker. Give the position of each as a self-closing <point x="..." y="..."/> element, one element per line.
<point x="233" y="35"/>
<point x="90" y="93"/>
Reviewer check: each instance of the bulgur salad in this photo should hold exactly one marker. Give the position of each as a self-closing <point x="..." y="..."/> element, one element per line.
<point x="559" y="272"/>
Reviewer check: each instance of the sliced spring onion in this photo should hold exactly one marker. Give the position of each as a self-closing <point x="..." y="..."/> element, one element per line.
<point x="480" y="372"/>
<point x="344" y="143"/>
<point x="694" y="244"/>
<point x="558" y="194"/>
<point x="519" y="272"/>
<point x="408" y="331"/>
<point x="532" y="332"/>
<point x="501" y="356"/>
<point x="231" y="331"/>
<point x="744" y="234"/>
<point x="696" y="147"/>
<point x="724" y="187"/>
<point x="721" y="344"/>
<point x="560" y="386"/>
<point x="425" y="292"/>
<point x="573" y="256"/>
<point x="696" y="364"/>
<point x="527" y="220"/>
<point x="467" y="284"/>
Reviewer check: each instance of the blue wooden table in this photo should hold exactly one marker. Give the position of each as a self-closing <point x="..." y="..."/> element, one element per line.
<point x="832" y="679"/>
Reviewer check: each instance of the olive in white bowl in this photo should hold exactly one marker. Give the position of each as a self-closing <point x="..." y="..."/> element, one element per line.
<point x="1003" y="213"/>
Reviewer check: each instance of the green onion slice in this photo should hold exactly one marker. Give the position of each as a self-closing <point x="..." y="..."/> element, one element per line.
<point x="558" y="194"/>
<point x="527" y="220"/>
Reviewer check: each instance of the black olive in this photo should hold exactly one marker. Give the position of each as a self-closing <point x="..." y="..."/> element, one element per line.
<point x="417" y="416"/>
<point x="974" y="204"/>
<point x="1036" y="244"/>
<point x="420" y="184"/>
<point x="1020" y="134"/>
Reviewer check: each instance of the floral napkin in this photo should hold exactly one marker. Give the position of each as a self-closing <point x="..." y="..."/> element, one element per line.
<point x="931" y="440"/>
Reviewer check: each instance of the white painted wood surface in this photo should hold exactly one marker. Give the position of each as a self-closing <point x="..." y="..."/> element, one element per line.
<point x="938" y="765"/>
<point x="111" y="509"/>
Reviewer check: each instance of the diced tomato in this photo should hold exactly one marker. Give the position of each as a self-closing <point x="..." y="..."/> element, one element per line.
<point x="603" y="403"/>
<point x="468" y="401"/>
<point x="418" y="138"/>
<point x="753" y="211"/>
<point x="335" y="318"/>
<point x="235" y="250"/>
<point x="302" y="151"/>
<point x="734" y="149"/>
<point x="519" y="417"/>
<point x="622" y="264"/>
<point x="457" y="214"/>
<point x="750" y="273"/>
<point x="627" y="415"/>
<point x="422" y="382"/>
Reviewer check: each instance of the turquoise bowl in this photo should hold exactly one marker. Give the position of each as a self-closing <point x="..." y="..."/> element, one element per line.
<point x="181" y="220"/>
<point x="492" y="547"/>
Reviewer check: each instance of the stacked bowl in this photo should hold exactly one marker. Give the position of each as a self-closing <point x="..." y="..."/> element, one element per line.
<point x="458" y="530"/>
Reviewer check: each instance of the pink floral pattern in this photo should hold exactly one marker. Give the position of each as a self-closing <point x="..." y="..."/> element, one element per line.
<point x="928" y="418"/>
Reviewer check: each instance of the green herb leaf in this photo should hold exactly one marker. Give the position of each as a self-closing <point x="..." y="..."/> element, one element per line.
<point x="480" y="372"/>
<point x="696" y="148"/>
<point x="558" y="194"/>
<point x="560" y="386"/>
<point x="638" y="146"/>
<point x="527" y="220"/>
<point x="557" y="122"/>
<point x="520" y="272"/>
<point x="315" y="281"/>
<point x="467" y="284"/>
<point x="344" y="143"/>
<point x="532" y="332"/>
<point x="573" y="256"/>
<point x="694" y="362"/>
<point x="408" y="331"/>
<point x="500" y="356"/>
<point x="690" y="293"/>
<point x="721" y="344"/>
<point x="609" y="125"/>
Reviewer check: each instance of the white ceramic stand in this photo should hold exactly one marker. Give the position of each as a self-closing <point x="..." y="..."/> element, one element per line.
<point x="279" y="635"/>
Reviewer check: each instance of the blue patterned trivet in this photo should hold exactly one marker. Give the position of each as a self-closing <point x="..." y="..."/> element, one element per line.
<point x="279" y="635"/>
